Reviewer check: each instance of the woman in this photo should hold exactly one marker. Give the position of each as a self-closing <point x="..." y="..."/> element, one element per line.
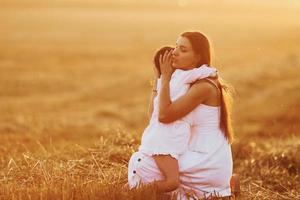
<point x="205" y="169"/>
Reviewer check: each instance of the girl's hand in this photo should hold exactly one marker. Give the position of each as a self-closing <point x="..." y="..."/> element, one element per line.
<point x="165" y="62"/>
<point x="156" y="73"/>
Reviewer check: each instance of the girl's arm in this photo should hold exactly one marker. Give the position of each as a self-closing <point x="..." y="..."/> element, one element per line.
<point x="152" y="96"/>
<point x="153" y="91"/>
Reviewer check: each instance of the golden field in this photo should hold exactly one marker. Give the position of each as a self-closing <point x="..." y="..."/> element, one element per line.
<point x="74" y="91"/>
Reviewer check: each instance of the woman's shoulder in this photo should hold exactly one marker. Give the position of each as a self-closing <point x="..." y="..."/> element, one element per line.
<point x="200" y="91"/>
<point x="210" y="91"/>
<point x="206" y="84"/>
<point x="206" y="88"/>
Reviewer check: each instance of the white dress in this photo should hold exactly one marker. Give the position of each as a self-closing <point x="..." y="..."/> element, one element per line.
<point x="205" y="168"/>
<point x="172" y="138"/>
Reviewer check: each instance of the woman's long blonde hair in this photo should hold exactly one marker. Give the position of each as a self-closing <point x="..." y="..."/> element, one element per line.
<point x="200" y="45"/>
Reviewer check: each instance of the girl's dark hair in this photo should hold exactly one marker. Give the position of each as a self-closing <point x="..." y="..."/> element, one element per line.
<point x="201" y="47"/>
<point x="161" y="51"/>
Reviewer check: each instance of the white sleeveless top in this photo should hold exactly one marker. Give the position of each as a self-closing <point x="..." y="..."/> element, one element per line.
<point x="172" y="138"/>
<point x="205" y="131"/>
<point x="209" y="158"/>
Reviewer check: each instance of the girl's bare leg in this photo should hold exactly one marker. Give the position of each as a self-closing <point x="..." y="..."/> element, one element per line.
<point x="169" y="168"/>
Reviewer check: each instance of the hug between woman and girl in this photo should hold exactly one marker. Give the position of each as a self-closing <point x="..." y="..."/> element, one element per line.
<point x="186" y="147"/>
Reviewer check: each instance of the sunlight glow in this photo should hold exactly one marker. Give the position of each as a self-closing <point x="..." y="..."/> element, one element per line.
<point x="182" y="3"/>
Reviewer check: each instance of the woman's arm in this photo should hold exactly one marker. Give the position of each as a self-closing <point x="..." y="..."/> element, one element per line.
<point x="171" y="111"/>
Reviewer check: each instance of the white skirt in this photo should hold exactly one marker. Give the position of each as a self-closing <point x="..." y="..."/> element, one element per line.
<point x="197" y="176"/>
<point x="165" y="139"/>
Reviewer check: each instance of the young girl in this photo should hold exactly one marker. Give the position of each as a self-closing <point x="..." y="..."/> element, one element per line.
<point x="165" y="142"/>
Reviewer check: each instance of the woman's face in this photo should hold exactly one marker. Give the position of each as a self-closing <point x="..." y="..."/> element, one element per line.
<point x="183" y="55"/>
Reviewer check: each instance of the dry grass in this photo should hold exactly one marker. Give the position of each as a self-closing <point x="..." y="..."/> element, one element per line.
<point x="74" y="87"/>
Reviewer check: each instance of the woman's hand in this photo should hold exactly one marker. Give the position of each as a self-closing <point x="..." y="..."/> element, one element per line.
<point x="165" y="62"/>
